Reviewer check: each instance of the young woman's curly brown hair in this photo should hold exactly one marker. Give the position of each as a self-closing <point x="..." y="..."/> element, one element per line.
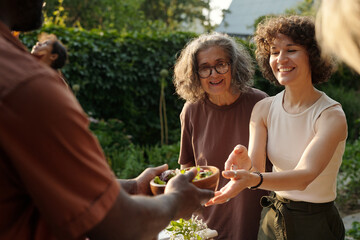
<point x="301" y="30"/>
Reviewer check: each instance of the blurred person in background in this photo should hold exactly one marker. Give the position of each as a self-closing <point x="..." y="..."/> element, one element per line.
<point x="51" y="51"/>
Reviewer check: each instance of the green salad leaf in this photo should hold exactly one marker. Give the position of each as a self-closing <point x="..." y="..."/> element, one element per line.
<point x="158" y="181"/>
<point x="188" y="229"/>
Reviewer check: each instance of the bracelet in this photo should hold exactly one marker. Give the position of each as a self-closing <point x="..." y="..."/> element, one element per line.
<point x="261" y="181"/>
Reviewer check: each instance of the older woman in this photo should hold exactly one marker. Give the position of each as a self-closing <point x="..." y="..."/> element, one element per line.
<point x="213" y="74"/>
<point x="301" y="130"/>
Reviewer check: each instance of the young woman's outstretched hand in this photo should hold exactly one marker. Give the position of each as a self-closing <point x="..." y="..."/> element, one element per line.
<point x="236" y="169"/>
<point x="238" y="159"/>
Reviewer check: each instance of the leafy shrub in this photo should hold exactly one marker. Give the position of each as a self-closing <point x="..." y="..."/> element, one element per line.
<point x="349" y="178"/>
<point x="118" y="76"/>
<point x="111" y="133"/>
<point x="133" y="159"/>
<point x="345" y="77"/>
<point x="350" y="102"/>
<point x="354" y="232"/>
<point x="126" y="159"/>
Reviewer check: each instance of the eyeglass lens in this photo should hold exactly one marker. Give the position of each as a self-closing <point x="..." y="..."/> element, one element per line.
<point x="220" y="68"/>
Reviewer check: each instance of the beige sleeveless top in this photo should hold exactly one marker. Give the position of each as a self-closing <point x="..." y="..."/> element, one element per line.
<point x="289" y="135"/>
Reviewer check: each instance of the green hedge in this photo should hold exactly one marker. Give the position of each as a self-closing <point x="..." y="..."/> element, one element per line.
<point x="348" y="180"/>
<point x="118" y="76"/>
<point x="350" y="102"/>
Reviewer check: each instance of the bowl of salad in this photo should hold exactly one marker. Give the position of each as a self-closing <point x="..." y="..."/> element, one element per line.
<point x="206" y="178"/>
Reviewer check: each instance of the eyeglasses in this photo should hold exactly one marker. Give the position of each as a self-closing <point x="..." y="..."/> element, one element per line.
<point x="220" y="68"/>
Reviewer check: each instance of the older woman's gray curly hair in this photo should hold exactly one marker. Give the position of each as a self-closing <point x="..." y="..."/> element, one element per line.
<point x="186" y="79"/>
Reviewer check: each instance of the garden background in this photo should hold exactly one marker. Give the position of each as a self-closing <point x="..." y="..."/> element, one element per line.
<point x="121" y="68"/>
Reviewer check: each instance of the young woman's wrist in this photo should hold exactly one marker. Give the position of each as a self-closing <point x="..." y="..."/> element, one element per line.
<point x="258" y="180"/>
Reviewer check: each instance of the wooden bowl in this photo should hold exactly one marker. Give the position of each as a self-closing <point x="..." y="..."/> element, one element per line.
<point x="210" y="182"/>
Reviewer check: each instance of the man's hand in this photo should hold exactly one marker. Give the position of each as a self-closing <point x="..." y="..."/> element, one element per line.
<point x="143" y="180"/>
<point x="190" y="197"/>
<point x="152" y="214"/>
<point x="238" y="159"/>
<point x="141" y="184"/>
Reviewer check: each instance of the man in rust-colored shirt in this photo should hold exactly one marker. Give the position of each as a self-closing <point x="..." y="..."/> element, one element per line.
<point x="54" y="179"/>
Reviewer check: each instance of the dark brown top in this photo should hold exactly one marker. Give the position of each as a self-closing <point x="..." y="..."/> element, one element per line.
<point x="211" y="132"/>
<point x="54" y="179"/>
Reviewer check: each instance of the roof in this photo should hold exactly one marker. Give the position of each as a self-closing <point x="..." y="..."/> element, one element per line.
<point x="243" y="13"/>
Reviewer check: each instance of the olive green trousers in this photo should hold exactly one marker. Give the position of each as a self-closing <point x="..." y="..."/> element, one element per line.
<point x="283" y="219"/>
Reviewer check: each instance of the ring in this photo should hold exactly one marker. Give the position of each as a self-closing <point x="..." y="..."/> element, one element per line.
<point x="227" y="200"/>
<point x="235" y="173"/>
<point x="233" y="167"/>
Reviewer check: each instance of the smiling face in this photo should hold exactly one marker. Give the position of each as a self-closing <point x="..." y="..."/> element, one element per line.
<point x="289" y="61"/>
<point x="216" y="85"/>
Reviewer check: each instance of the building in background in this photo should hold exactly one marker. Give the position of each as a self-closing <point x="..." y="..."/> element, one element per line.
<point x="243" y="13"/>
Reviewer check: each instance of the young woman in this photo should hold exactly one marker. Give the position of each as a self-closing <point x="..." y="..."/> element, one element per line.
<point x="213" y="74"/>
<point x="301" y="130"/>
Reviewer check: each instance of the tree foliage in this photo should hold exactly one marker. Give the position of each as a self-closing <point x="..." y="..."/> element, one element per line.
<point x="100" y="14"/>
<point x="129" y="15"/>
<point x="176" y="14"/>
<point x="304" y="8"/>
